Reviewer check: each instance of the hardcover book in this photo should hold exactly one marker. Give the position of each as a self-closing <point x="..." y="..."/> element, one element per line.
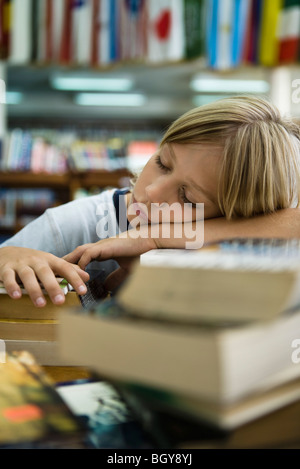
<point x="32" y="414"/>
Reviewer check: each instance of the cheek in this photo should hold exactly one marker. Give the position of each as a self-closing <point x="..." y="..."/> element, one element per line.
<point x="174" y="213"/>
<point x="146" y="175"/>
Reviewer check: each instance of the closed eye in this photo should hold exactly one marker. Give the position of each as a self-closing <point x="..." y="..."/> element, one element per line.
<point x="184" y="197"/>
<point x="160" y="164"/>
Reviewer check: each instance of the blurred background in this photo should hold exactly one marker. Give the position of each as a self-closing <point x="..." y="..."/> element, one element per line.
<point x="89" y="86"/>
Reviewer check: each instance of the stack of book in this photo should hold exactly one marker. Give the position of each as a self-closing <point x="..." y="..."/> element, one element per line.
<point x="212" y="334"/>
<point x="24" y="326"/>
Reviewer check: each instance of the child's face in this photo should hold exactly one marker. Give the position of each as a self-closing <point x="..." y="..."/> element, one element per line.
<point x="179" y="174"/>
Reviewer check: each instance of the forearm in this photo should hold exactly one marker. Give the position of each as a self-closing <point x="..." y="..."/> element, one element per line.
<point x="132" y="243"/>
<point x="282" y="224"/>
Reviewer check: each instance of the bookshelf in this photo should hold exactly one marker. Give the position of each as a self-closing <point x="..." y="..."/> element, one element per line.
<point x="61" y="37"/>
<point x="63" y="187"/>
<point x="70" y="181"/>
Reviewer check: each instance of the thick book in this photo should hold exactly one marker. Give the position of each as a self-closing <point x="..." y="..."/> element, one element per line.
<point x="226" y="417"/>
<point x="221" y="363"/>
<point x="26" y="327"/>
<point x="238" y="281"/>
<point x="23" y="308"/>
<point x="32" y="413"/>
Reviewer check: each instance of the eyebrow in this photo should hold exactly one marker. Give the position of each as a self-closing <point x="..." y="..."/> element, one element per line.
<point x="190" y="181"/>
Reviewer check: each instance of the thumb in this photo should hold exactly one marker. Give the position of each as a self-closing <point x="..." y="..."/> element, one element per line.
<point x="74" y="256"/>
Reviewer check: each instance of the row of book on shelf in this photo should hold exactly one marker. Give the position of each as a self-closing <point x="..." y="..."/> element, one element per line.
<point x="209" y="338"/>
<point x="98" y="32"/>
<point x="18" y="207"/>
<point x="52" y="152"/>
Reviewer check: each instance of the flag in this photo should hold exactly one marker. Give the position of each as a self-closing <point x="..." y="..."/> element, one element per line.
<point x="289" y="31"/>
<point x="226" y="32"/>
<point x="166" y="36"/>
<point x="269" y="41"/>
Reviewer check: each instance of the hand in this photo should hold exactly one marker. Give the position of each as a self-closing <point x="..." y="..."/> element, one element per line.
<point x="123" y="248"/>
<point x="33" y="268"/>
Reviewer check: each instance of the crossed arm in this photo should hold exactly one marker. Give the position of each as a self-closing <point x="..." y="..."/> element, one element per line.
<point x="29" y="265"/>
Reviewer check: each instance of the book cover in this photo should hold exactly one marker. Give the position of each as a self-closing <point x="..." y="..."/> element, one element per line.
<point x="33" y="415"/>
<point x="109" y="421"/>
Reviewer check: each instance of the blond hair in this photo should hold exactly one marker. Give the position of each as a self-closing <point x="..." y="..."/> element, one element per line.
<point x="261" y="151"/>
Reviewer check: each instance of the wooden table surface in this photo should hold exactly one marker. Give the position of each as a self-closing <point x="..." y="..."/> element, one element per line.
<point x="66" y="373"/>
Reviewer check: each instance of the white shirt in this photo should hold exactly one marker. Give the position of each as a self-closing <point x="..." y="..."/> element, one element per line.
<point x="61" y="229"/>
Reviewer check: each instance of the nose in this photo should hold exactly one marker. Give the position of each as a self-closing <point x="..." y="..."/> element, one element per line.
<point x="159" y="191"/>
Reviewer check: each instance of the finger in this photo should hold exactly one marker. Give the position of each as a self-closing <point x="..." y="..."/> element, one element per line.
<point x="47" y="278"/>
<point x="90" y="254"/>
<point x="31" y="285"/>
<point x="75" y="255"/>
<point x="82" y="273"/>
<point x="115" y="279"/>
<point x="72" y="275"/>
<point x="11" y="285"/>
